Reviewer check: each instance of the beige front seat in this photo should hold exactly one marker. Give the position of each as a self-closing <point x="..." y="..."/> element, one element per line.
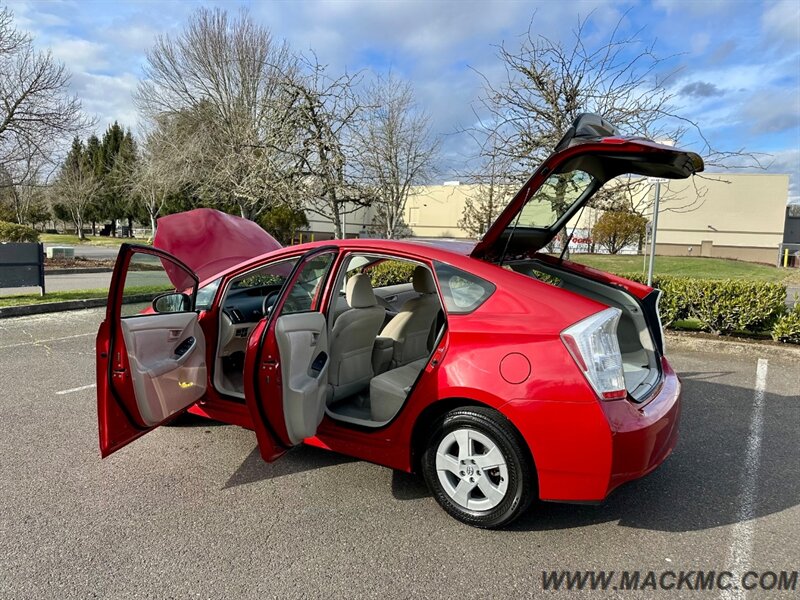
<point x="352" y="338"/>
<point x="411" y="327"/>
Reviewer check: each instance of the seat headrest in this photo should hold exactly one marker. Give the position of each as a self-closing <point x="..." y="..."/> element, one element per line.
<point x="423" y="281"/>
<point x="359" y="292"/>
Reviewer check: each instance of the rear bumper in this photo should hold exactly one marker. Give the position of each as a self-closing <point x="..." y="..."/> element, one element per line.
<point x="643" y="436"/>
<point x="583" y="450"/>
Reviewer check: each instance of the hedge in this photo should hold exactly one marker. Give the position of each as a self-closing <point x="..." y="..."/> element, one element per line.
<point x="722" y="306"/>
<point x="11" y="232"/>
<point x="391" y="272"/>
<point x="787" y="328"/>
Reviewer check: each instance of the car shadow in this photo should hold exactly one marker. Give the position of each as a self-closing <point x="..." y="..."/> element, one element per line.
<point x="699" y="486"/>
<point x="303" y="458"/>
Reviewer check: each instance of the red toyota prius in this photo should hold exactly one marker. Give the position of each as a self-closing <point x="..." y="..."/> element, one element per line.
<point x="500" y="372"/>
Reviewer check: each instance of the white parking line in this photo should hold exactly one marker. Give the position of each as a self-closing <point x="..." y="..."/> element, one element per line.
<point x="36" y="342"/>
<point x="742" y="547"/>
<point x="77" y="389"/>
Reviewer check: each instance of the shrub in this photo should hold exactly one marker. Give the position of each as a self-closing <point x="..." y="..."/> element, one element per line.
<point x="391" y="272"/>
<point x="721" y="305"/>
<point x="787" y="328"/>
<point x="616" y="229"/>
<point x="11" y="232"/>
<point x="728" y="305"/>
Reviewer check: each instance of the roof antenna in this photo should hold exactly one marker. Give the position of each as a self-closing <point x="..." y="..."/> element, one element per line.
<point x="514" y="228"/>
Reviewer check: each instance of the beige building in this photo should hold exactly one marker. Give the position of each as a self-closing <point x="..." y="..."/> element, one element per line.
<point x="725" y="215"/>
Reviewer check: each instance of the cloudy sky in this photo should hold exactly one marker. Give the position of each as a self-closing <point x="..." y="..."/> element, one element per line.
<point x="737" y="61"/>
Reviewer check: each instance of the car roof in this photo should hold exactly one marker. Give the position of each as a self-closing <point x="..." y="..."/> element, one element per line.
<point x="451" y="251"/>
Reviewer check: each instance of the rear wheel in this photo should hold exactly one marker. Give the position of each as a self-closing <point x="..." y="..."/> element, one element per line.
<point x="478" y="469"/>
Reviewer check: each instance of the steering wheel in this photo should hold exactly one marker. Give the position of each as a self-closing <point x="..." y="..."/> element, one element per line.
<point x="269" y="302"/>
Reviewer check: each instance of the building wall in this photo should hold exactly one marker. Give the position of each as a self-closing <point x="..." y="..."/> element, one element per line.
<point x="730" y="215"/>
<point x="434" y="210"/>
<point x="322" y="229"/>
<point x="738" y="216"/>
<point x="791" y="231"/>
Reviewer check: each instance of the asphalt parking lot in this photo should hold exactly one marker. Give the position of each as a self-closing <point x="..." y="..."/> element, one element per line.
<point x="193" y="512"/>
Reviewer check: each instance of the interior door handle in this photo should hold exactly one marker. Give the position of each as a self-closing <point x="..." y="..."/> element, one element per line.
<point x="391" y="298"/>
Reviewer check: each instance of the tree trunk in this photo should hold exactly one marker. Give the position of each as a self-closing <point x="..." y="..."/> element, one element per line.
<point x="79" y="226"/>
<point x="153" y="225"/>
<point x="337" y="222"/>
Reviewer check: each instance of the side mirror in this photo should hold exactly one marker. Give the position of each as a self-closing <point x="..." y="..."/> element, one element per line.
<point x="172" y="302"/>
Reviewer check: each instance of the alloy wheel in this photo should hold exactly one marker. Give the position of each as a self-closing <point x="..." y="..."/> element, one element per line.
<point x="472" y="470"/>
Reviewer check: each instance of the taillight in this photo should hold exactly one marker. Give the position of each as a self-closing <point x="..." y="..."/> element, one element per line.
<point x="593" y="344"/>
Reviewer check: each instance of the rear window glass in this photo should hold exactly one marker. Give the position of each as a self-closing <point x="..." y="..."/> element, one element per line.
<point x="463" y="292"/>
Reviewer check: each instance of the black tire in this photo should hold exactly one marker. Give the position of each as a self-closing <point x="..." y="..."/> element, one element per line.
<point x="522" y="486"/>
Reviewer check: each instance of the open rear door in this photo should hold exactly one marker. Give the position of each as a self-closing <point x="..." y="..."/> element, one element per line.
<point x="151" y="362"/>
<point x="286" y="364"/>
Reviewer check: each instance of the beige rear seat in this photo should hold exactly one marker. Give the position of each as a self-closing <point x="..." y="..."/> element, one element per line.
<point x="388" y="391"/>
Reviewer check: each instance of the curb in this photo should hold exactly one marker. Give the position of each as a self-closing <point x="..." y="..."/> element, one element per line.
<point x="77" y="271"/>
<point x="692" y="343"/>
<point x="49" y="307"/>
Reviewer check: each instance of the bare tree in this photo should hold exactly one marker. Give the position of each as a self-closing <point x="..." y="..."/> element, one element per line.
<point x="22" y="183"/>
<point x="37" y="113"/>
<point x="398" y="150"/>
<point x="75" y="189"/>
<point x="162" y="167"/>
<point x="329" y="113"/>
<point x="229" y="75"/>
<point x="548" y="83"/>
<point x="492" y="187"/>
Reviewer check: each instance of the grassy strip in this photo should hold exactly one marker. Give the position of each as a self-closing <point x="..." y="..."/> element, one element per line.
<point x="690" y="266"/>
<point x="72" y="240"/>
<point x="26" y="299"/>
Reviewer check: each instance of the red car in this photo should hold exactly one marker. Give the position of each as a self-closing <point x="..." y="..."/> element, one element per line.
<point x="500" y="372"/>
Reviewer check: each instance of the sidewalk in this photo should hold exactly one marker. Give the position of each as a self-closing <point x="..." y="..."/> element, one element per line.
<point x="63" y="283"/>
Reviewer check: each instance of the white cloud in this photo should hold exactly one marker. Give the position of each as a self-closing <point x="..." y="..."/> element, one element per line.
<point x="80" y="54"/>
<point x="108" y="97"/>
<point x="781" y="23"/>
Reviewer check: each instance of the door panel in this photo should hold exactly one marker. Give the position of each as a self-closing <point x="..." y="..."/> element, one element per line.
<point x="303" y="346"/>
<point x="150" y="355"/>
<point x="166" y="353"/>
<point x="286" y="364"/>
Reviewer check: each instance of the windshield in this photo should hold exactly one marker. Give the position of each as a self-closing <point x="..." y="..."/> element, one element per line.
<point x="553" y="199"/>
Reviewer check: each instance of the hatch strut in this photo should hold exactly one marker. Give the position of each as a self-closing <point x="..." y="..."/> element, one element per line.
<point x="569" y="237"/>
<point x="513" y="228"/>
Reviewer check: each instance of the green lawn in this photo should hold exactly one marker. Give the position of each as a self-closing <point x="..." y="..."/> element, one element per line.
<point x="71" y="239"/>
<point x="690" y="266"/>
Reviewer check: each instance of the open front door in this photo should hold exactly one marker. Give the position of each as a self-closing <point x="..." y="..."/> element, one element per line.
<point x="286" y="365"/>
<point x="151" y="361"/>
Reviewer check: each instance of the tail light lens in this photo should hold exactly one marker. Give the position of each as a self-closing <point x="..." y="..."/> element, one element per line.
<point x="593" y="344"/>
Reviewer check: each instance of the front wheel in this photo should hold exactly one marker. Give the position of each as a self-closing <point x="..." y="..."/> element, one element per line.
<point x="478" y="469"/>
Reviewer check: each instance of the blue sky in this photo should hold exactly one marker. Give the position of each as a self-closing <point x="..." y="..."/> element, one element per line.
<point x="738" y="62"/>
